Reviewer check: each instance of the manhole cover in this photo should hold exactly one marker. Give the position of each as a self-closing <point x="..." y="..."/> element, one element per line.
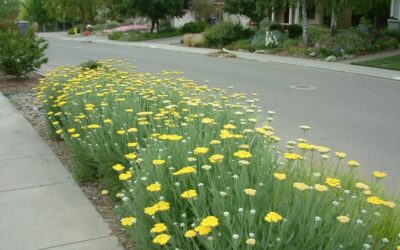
<point x="302" y="87"/>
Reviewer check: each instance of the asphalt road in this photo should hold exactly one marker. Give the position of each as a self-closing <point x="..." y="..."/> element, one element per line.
<point x="356" y="114"/>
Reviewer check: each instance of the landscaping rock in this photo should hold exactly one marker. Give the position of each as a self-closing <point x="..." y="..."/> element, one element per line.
<point x="259" y="51"/>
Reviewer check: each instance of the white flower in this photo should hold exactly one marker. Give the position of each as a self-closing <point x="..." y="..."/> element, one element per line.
<point x="385" y="240"/>
<point x="317" y="174"/>
<point x="206" y="167"/>
<point x="222" y="193"/>
<point x="183" y="215"/>
<point x="335" y="203"/>
<point x="317" y="218"/>
<point x="377" y="214"/>
<point x="364" y="211"/>
<point x="210" y="238"/>
<point x="347" y="191"/>
<point x="240" y="209"/>
<point x="252" y="211"/>
<point x="359" y="221"/>
<point x="226" y="214"/>
<point x="235" y="236"/>
<point x="367" y="246"/>
<point x="143" y="178"/>
<point x="177" y="184"/>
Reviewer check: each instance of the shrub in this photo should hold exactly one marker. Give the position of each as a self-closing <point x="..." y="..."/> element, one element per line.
<point x="276" y="26"/>
<point x="344" y="43"/>
<point x="316" y="34"/>
<point x="223" y="33"/>
<point x="290" y="43"/>
<point x="115" y="35"/>
<point x="20" y="54"/>
<point x="91" y="64"/>
<point x="259" y="39"/>
<point x="295" y="31"/>
<point x="194" y="40"/>
<point x="192" y="171"/>
<point x="74" y="30"/>
<point x="194" y="27"/>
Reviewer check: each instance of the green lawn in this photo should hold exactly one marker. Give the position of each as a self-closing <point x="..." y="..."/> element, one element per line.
<point x="392" y="62"/>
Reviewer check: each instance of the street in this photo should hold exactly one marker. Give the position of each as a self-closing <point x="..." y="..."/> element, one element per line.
<point x="356" y="114"/>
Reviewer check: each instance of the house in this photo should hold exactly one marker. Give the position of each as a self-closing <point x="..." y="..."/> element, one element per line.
<point x="317" y="16"/>
<point x="394" y="20"/>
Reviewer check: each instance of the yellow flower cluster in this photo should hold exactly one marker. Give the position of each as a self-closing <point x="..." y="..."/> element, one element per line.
<point x="174" y="152"/>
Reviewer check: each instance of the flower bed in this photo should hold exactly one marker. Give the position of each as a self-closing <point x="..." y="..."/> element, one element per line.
<point x="190" y="170"/>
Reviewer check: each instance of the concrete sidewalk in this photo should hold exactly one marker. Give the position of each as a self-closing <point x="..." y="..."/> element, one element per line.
<point x="41" y="206"/>
<point x="263" y="58"/>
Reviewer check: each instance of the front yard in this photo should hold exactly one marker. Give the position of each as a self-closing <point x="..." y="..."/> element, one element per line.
<point x="392" y="63"/>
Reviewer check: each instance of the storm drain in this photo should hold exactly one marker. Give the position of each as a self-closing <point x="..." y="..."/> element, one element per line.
<point x="302" y="87"/>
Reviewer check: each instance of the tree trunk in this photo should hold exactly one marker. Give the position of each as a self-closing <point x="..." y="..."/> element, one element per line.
<point x="333" y="23"/>
<point x="81" y="11"/>
<point x="158" y="25"/>
<point x="153" y="23"/>
<point x="305" y="24"/>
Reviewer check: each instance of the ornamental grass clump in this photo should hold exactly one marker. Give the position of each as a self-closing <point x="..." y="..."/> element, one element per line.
<point x="189" y="169"/>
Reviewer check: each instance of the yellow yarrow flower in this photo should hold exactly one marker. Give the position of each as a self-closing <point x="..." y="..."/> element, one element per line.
<point x="361" y="185"/>
<point x="340" y="155"/>
<point x="155" y="187"/>
<point x="379" y="174"/>
<point x="200" y="150"/>
<point x="125" y="176"/>
<point x="202" y="230"/>
<point x="130" y="156"/>
<point x="210" y="221"/>
<point x="280" y="176"/>
<point x="273" y="217"/>
<point x="71" y="130"/>
<point x="104" y="192"/>
<point x="121" y="132"/>
<point x="292" y="156"/>
<point x="215" y="142"/>
<point x="300" y="186"/>
<point x="185" y="170"/>
<point x="158" y="228"/>
<point x="132" y="130"/>
<point x="132" y="144"/>
<point x="343" y="219"/>
<point x="207" y="120"/>
<point x="242" y="154"/>
<point x="161" y="239"/>
<point x="189" y="194"/>
<point x="158" y="162"/>
<point x="375" y="200"/>
<point x="353" y="163"/>
<point x="332" y="182"/>
<point x="128" y="221"/>
<point x="251" y="241"/>
<point x="217" y="158"/>
<point x="75" y="135"/>
<point x="320" y="188"/>
<point x="118" y="167"/>
<point x="190" y="234"/>
<point x="250" y="191"/>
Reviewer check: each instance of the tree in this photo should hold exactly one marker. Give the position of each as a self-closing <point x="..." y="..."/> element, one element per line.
<point x="203" y="9"/>
<point x="376" y="10"/>
<point x="36" y="12"/>
<point x="256" y="10"/>
<point x="304" y="4"/>
<point x="9" y="11"/>
<point x="156" y="10"/>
